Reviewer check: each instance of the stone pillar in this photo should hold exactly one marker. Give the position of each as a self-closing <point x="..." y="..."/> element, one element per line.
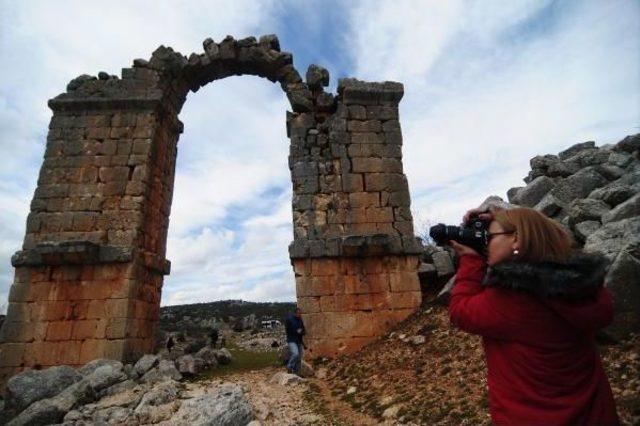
<point x="85" y="285"/>
<point x="354" y="254"/>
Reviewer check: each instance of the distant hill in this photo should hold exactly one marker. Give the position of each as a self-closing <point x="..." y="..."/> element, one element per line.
<point x="222" y="311"/>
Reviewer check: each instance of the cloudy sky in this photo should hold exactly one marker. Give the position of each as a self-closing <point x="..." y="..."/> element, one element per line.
<point x="488" y="85"/>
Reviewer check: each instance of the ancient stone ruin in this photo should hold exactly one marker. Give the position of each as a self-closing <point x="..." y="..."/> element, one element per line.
<point x="89" y="276"/>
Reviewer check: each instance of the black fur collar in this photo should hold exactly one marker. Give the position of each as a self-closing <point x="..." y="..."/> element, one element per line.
<point x="578" y="279"/>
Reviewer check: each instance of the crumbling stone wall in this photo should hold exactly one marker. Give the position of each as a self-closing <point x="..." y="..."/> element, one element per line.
<point x="89" y="276"/>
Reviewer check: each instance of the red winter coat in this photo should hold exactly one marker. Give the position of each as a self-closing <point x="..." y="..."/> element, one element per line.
<point x="537" y="321"/>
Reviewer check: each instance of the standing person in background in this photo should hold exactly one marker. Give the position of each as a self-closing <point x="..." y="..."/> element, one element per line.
<point x="294" y="327"/>
<point x="170" y="343"/>
<point x="537" y="306"/>
<point x="214" y="336"/>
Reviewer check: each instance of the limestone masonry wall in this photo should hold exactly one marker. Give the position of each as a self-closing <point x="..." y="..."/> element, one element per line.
<point x="89" y="276"/>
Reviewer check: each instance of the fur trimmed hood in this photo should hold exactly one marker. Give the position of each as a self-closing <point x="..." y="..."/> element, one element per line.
<point x="579" y="279"/>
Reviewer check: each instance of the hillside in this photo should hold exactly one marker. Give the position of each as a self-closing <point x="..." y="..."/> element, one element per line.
<point x="427" y="372"/>
<point x="223" y="311"/>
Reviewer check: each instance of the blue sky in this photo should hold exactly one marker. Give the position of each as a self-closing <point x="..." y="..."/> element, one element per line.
<point x="488" y="85"/>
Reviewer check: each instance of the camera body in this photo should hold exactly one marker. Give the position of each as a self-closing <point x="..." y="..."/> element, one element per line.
<point x="473" y="234"/>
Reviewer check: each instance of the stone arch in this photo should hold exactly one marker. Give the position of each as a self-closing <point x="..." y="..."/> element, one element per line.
<point x="88" y="278"/>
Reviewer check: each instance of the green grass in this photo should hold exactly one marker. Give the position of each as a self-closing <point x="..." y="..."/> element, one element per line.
<point x="243" y="360"/>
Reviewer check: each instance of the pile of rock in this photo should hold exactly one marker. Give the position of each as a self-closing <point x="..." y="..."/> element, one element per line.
<point x="594" y="192"/>
<point x="106" y="391"/>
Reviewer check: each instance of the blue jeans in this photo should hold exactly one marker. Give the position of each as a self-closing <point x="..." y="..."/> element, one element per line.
<point x="295" y="357"/>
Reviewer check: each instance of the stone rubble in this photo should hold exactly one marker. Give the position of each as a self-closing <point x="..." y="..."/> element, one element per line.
<point x="105" y="391"/>
<point x="594" y="192"/>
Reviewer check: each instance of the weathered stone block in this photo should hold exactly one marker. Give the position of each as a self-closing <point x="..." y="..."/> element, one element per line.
<point x="389" y="182"/>
<point x="59" y="330"/>
<point x="406" y="300"/>
<point x="358" y="126"/>
<point x="357" y="112"/>
<point x="364" y="199"/>
<point x="366" y="138"/>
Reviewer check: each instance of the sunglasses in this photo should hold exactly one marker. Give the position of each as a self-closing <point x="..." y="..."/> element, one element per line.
<point x="490" y="235"/>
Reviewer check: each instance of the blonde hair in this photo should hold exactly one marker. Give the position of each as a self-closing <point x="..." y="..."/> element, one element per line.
<point x="541" y="239"/>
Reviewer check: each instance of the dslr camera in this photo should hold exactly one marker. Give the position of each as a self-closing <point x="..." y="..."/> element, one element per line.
<point x="474" y="234"/>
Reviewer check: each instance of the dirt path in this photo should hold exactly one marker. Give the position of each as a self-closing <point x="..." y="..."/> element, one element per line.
<point x="306" y="403"/>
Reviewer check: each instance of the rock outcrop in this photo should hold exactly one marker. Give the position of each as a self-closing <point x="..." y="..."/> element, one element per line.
<point x="594" y="192"/>
<point x="107" y="392"/>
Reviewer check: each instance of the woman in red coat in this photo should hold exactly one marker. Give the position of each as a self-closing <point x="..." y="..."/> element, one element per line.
<point x="537" y="307"/>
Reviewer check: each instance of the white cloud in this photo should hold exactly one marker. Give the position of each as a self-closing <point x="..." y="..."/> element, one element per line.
<point x="488" y="87"/>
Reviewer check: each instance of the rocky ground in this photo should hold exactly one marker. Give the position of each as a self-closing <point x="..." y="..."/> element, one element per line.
<point x="423" y="373"/>
<point x="427" y="372"/>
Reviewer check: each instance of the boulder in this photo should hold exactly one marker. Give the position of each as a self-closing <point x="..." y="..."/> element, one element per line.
<point x="52" y="410"/>
<point x="130" y="371"/>
<point x="161" y="394"/>
<point x="549" y="205"/>
<point x="562" y="169"/>
<point x="120" y="390"/>
<point x="629" y="144"/>
<point x="632" y="176"/>
<point x="627" y="209"/>
<point x="620" y="159"/>
<point x="227" y="407"/>
<point x="624" y="285"/>
<point x="613" y="194"/>
<point x="589" y="157"/>
<point x="166" y="369"/>
<point x="585" y="209"/>
<point x="612" y="237"/>
<point x="105" y="376"/>
<point x="574" y="149"/>
<point x="530" y="195"/>
<point x="146" y="363"/>
<point x="224" y="356"/>
<point x="542" y="162"/>
<point x="443" y="263"/>
<point x="610" y="171"/>
<point x="207" y="355"/>
<point x="512" y="193"/>
<point x="189" y="365"/>
<point x="114" y="415"/>
<point x="583" y="229"/>
<point x="91" y="366"/>
<point x="578" y="185"/>
<point x="30" y="386"/>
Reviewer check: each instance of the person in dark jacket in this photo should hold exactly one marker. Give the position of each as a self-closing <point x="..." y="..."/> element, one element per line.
<point x="294" y="327"/>
<point x="537" y="306"/>
<point x="169" y="343"/>
<point x="214" y="334"/>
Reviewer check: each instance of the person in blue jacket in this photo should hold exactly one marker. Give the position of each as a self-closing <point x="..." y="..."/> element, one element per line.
<point x="294" y="327"/>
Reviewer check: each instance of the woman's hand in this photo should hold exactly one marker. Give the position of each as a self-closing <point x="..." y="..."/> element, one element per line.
<point x="461" y="249"/>
<point x="481" y="213"/>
